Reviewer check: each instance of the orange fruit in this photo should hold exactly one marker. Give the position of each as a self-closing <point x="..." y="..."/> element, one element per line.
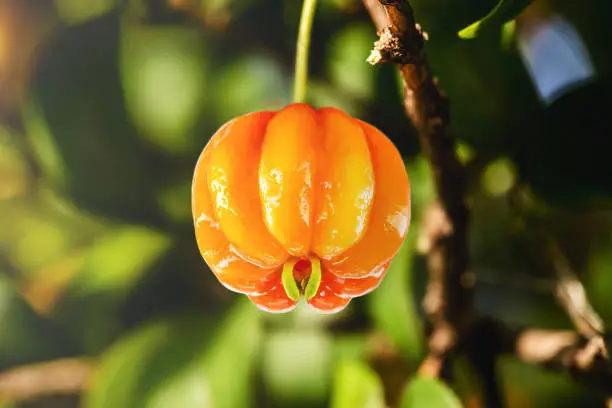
<point x="300" y="203"/>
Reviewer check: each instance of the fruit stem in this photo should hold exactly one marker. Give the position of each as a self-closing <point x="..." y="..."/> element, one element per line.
<point x="303" y="47"/>
<point x="314" y="280"/>
<point x="291" y="288"/>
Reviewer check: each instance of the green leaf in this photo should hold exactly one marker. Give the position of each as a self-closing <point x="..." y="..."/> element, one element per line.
<point x="323" y="94"/>
<point x="230" y="360"/>
<point x="420" y="175"/>
<point x="43" y="240"/>
<point x="164" y="73"/>
<point x="25" y="337"/>
<point x="297" y="366"/>
<point x="506" y="10"/>
<point x="346" y="67"/>
<point x="357" y="386"/>
<point x="178" y="362"/>
<point x="507" y="34"/>
<point x="549" y="389"/>
<point x="599" y="279"/>
<point x="119" y="259"/>
<point x="80" y="12"/>
<point x="392" y="305"/>
<point x="351" y="347"/>
<point x="251" y="83"/>
<point x="175" y="200"/>
<point x="499" y="177"/>
<point x="89" y="148"/>
<point x="113" y="266"/>
<point x="14" y="170"/>
<point x="45" y="148"/>
<point x="430" y="393"/>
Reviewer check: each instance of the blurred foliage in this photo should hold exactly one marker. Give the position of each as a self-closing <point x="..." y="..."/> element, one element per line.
<point x="185" y="360"/>
<point x="297" y="366"/>
<point x="26" y="336"/>
<point x="357" y="386"/>
<point x="165" y="78"/>
<point x="503" y="12"/>
<point x="76" y="12"/>
<point x="346" y="68"/>
<point x="392" y="307"/>
<point x="433" y="391"/>
<point x="105" y="106"/>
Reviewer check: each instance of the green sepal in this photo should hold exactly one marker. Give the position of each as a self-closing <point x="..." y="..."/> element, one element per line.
<point x="291" y="288"/>
<point x="314" y="281"/>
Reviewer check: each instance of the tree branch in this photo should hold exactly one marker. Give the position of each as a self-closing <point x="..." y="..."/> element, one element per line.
<point x="443" y="239"/>
<point x="449" y="295"/>
<point x="562" y="351"/>
<point x="572" y="297"/>
<point x="59" y="377"/>
<point x="571" y="293"/>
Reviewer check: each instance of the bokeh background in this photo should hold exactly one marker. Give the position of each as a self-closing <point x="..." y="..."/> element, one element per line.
<point x="104" y="109"/>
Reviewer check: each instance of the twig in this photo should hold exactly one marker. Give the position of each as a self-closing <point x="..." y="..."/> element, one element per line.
<point x="377" y="13"/>
<point x="572" y="295"/>
<point x="448" y="301"/>
<point x="59" y="377"/>
<point x="431" y="367"/>
<point x="562" y="351"/>
<point x="443" y="239"/>
<point x="570" y="292"/>
<point x="449" y="294"/>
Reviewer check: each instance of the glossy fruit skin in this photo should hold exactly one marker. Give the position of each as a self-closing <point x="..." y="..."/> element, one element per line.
<point x="295" y="185"/>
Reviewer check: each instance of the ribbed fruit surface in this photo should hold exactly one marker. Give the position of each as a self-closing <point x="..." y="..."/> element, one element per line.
<point x="295" y="186"/>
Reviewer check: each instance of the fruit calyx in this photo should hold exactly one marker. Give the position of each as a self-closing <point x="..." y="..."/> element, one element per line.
<point x="301" y="277"/>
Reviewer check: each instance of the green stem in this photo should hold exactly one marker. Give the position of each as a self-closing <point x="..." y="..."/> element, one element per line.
<point x="303" y="47"/>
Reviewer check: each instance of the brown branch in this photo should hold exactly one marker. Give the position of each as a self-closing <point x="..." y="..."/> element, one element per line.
<point x="443" y="238"/>
<point x="448" y="300"/>
<point x="377" y="13"/>
<point x="570" y="292"/>
<point x="572" y="295"/>
<point x="561" y="351"/>
<point x="60" y="377"/>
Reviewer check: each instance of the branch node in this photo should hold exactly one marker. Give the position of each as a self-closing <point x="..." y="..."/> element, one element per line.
<point x="422" y="32"/>
<point x="389" y="48"/>
<point x="390" y="2"/>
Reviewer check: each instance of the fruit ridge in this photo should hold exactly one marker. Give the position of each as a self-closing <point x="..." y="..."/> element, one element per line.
<point x="300" y="202"/>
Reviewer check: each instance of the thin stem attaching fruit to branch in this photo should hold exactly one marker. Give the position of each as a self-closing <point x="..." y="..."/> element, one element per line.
<point x="303" y="48"/>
